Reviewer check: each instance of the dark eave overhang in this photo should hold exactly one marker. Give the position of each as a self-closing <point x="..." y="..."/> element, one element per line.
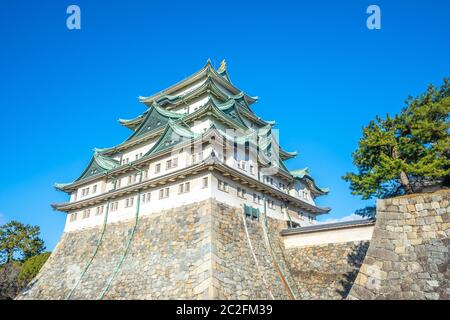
<point x="329" y="227"/>
<point x="211" y="164"/>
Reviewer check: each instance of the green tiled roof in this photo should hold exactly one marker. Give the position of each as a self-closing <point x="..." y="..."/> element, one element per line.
<point x="304" y="174"/>
<point x="156" y="117"/>
<point x="172" y="135"/>
<point x="98" y="164"/>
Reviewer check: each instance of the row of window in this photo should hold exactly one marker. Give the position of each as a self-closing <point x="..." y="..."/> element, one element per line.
<point x="241" y="192"/>
<point x="127" y="159"/>
<point x="145" y="198"/>
<point x="305" y="215"/>
<point x="170" y="164"/>
<point x="269" y="180"/>
<point x="86" y="191"/>
<point x="243" y="166"/>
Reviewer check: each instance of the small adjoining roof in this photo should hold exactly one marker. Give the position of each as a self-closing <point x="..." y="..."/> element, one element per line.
<point x="172" y="135"/>
<point x="329" y="226"/>
<point x="303" y="174"/>
<point x="98" y="164"/>
<point x="156" y="118"/>
<point x="300" y="173"/>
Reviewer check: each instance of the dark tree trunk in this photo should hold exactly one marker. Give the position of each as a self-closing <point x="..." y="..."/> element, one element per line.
<point x="404" y="180"/>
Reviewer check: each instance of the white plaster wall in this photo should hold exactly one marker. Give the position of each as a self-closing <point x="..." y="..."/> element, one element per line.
<point x="136" y="150"/>
<point x="77" y="195"/>
<point x="297" y="191"/>
<point x="232" y="199"/>
<point x="197" y="193"/>
<point x="357" y="233"/>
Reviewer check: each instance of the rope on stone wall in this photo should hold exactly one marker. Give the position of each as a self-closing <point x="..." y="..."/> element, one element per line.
<point x="99" y="242"/>
<point x="254" y="257"/>
<point x="272" y="253"/>
<point x="119" y="265"/>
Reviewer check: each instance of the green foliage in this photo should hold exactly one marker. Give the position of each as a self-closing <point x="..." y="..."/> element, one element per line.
<point x="31" y="267"/>
<point x="19" y="240"/>
<point x="407" y="153"/>
<point x="367" y="212"/>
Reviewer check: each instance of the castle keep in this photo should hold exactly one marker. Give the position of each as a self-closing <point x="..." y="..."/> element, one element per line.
<point x="197" y="203"/>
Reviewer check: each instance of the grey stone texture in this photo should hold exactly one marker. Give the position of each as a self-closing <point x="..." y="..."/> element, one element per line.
<point x="208" y="250"/>
<point x="408" y="253"/>
<point x="326" y="271"/>
<point x="198" y="251"/>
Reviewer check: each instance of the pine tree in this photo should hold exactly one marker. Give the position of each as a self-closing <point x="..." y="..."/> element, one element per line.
<point x="18" y="239"/>
<point x="406" y="153"/>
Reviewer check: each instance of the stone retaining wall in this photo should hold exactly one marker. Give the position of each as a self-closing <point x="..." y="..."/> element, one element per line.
<point x="326" y="271"/>
<point x="408" y="254"/>
<point x="198" y="251"/>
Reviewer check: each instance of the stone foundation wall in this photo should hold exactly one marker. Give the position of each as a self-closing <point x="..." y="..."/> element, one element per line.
<point x="408" y="254"/>
<point x="236" y="274"/>
<point x="326" y="271"/>
<point x="198" y="251"/>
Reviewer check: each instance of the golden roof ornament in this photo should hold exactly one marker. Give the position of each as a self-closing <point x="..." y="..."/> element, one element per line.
<point x="223" y="66"/>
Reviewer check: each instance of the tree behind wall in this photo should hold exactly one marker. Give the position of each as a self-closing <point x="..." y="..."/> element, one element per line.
<point x="407" y="153"/>
<point x="19" y="242"/>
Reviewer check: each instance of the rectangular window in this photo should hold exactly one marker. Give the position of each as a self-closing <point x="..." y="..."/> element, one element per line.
<point x="222" y="185"/>
<point x="164" y="193"/>
<point x="99" y="210"/>
<point x="252" y="169"/>
<point x="241" y="192"/>
<point x="224" y="150"/>
<point x="146" y="197"/>
<point x="271" y="204"/>
<point x="247" y="151"/>
<point x="114" y="206"/>
<point x="168" y="164"/>
<point x="85" y="192"/>
<point x="205" y="182"/>
<point x="73" y="217"/>
<point x="158" y="168"/>
<point x="129" y="202"/>
<point x="94" y="189"/>
<point x="86" y="213"/>
<point x="174" y="162"/>
<point x="129" y="180"/>
<point x="184" y="187"/>
<point x="255" y="198"/>
<point x="137" y="156"/>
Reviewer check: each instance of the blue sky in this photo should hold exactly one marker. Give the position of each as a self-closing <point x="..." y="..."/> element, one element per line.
<point x="319" y="72"/>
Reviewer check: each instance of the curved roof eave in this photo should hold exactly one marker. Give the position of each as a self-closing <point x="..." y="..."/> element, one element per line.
<point x="206" y="70"/>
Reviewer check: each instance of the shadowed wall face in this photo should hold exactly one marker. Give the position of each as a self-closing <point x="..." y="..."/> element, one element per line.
<point x="408" y="253"/>
<point x="326" y="271"/>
